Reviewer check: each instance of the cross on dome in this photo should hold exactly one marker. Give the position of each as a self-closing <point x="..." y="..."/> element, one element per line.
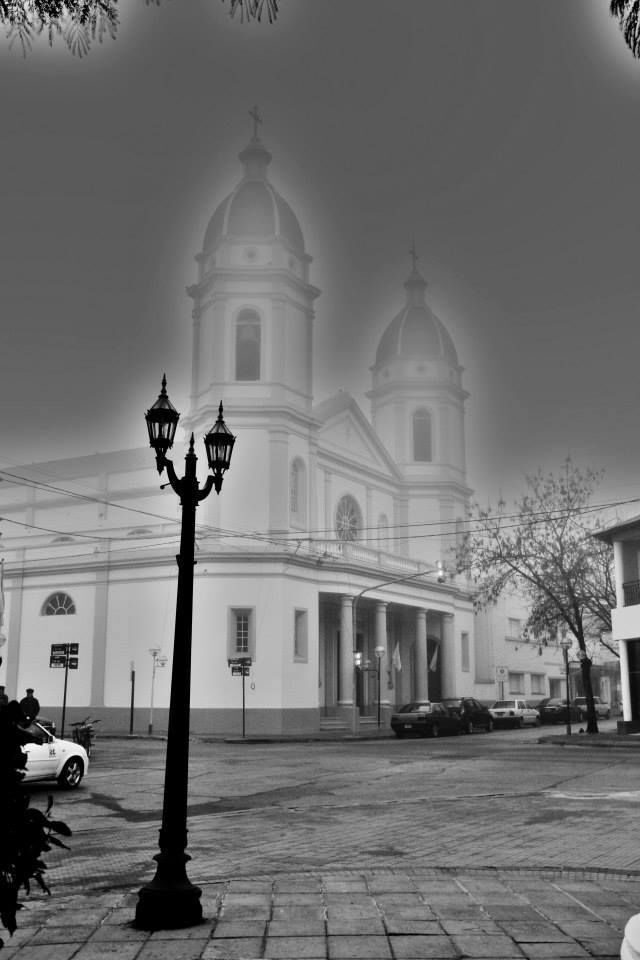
<point x="257" y="119"/>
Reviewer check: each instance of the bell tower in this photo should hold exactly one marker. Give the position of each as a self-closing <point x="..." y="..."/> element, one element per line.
<point x="253" y="332"/>
<point x="417" y="410"/>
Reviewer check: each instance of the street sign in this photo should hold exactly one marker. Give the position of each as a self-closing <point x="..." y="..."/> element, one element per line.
<point x="59" y="648"/>
<point x="74" y="649"/>
<point x="56" y="661"/>
<point x="73" y="663"/>
<point x="502" y="674"/>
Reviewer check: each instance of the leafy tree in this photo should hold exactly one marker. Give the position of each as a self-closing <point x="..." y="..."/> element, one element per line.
<point x="628" y="14"/>
<point x="544" y="549"/>
<point x="25" y="833"/>
<point x="80" y="22"/>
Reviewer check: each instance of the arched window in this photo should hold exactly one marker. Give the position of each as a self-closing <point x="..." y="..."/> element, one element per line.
<point x="383" y="532"/>
<point x="58" y="604"/>
<point x="297" y="491"/>
<point x="422" y="440"/>
<point x="248" y="336"/>
<point x="348" y="519"/>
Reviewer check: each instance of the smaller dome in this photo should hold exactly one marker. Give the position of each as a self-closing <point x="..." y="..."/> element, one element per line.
<point x="254" y="210"/>
<point x="416" y="332"/>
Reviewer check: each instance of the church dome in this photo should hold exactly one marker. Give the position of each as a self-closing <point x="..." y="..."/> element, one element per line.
<point x="416" y="332"/>
<point x="254" y="210"/>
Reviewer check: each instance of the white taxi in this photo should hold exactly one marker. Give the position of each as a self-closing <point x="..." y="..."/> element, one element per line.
<point x="49" y="758"/>
<point x="514" y="713"/>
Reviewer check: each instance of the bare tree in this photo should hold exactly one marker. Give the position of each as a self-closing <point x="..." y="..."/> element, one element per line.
<point x="628" y="14"/>
<point x="545" y="550"/>
<point x="80" y="22"/>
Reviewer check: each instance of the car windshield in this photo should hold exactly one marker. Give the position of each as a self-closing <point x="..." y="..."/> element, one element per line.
<point x="416" y="706"/>
<point x="452" y="701"/>
<point x="500" y="704"/>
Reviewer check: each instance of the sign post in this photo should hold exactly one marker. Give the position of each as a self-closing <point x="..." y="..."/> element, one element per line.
<point x="502" y="674"/>
<point x="64" y="656"/>
<point x="240" y="667"/>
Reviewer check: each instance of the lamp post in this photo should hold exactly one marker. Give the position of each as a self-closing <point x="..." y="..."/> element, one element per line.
<point x="566" y="643"/>
<point x="379" y="651"/>
<point x="158" y="661"/>
<point x="441" y="575"/>
<point x="171" y="901"/>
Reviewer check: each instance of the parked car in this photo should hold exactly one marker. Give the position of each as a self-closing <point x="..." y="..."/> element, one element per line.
<point x="554" y="710"/>
<point x="425" y="719"/>
<point x="514" y="713"/>
<point x="49" y="758"/>
<point x="603" y="710"/>
<point x="472" y="713"/>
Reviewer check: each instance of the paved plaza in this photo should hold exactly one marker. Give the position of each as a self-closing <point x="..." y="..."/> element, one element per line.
<point x="481" y="847"/>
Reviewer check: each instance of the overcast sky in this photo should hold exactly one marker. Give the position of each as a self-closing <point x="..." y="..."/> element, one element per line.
<point x="503" y="134"/>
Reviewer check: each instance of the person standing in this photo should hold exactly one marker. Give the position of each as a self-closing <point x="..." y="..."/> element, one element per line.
<point x="29" y="706"/>
<point x="4" y="699"/>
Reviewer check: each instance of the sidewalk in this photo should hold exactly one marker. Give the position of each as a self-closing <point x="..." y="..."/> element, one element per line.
<point x="375" y="915"/>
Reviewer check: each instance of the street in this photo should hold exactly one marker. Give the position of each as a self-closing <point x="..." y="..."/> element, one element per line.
<point x="489" y="800"/>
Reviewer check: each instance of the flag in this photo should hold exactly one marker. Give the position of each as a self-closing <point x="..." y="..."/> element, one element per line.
<point x="395" y="659"/>
<point x="433" y="663"/>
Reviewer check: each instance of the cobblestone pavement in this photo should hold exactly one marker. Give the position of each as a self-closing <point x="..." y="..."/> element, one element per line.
<point x="476" y="847"/>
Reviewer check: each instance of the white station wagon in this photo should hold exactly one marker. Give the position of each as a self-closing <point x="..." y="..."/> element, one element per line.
<point x="54" y="759"/>
<point x="514" y="713"/>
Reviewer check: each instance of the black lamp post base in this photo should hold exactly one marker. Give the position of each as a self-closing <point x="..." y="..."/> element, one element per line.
<point x="168" y="906"/>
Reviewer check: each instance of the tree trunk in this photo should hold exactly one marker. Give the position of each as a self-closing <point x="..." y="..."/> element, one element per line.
<point x="592" y="718"/>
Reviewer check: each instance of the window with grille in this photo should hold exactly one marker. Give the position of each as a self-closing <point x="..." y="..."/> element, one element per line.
<point x="538" y="683"/>
<point x="514" y="629"/>
<point x="241" y="638"/>
<point x="464" y="652"/>
<point x="300" y="636"/>
<point x="516" y="682"/>
<point x="58" y="604"/>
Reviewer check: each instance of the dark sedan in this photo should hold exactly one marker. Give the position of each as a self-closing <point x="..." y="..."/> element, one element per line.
<point x="554" y="710"/>
<point x="422" y="718"/>
<point x="472" y="713"/>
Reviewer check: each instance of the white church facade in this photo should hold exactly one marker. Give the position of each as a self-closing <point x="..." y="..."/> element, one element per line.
<point x="325" y="548"/>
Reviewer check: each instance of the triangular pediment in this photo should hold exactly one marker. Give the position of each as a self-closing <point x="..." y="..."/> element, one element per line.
<point x="346" y="433"/>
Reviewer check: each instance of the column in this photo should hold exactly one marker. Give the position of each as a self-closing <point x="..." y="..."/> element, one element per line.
<point x="448" y="654"/>
<point x="618" y="571"/>
<point x="346" y="651"/>
<point x="422" y="666"/>
<point x="382" y="640"/>
<point x="625" y="687"/>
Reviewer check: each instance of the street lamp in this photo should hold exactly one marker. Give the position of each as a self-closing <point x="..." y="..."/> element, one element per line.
<point x="379" y="652"/>
<point x="158" y="661"/>
<point x="171" y="901"/>
<point x="566" y="644"/>
<point x="441" y="575"/>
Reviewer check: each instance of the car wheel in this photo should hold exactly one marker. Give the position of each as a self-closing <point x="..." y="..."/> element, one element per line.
<point x="538" y="721"/>
<point x="521" y="722"/>
<point x="468" y="728"/>
<point x="399" y="734"/>
<point x="71" y="773"/>
<point x="490" y="726"/>
<point x="435" y="730"/>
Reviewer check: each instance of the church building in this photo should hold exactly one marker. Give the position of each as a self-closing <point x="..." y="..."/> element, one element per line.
<point x="327" y="558"/>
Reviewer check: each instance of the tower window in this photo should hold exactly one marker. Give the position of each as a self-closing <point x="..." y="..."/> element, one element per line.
<point x="348" y="519"/>
<point x="422" y="441"/>
<point x="248" y="335"/>
<point x="297" y="492"/>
